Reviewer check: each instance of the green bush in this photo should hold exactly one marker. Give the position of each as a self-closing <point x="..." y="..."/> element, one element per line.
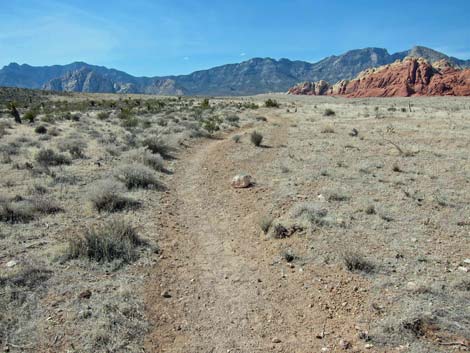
<point x="329" y="112"/>
<point x="271" y="103"/>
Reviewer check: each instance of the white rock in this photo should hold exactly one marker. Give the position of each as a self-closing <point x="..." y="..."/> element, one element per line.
<point x="466" y="261"/>
<point x="463" y="269"/>
<point x="241" y="181"/>
<point x="11" y="263"/>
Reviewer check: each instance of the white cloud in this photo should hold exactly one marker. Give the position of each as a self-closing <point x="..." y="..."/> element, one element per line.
<point x="242" y="54"/>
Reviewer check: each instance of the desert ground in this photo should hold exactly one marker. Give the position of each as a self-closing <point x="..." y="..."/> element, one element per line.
<point x="120" y="230"/>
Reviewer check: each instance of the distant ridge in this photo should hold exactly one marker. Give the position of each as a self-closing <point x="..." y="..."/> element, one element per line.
<point x="254" y="76"/>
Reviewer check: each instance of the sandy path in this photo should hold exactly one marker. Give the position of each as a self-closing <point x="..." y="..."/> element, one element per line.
<point x="226" y="292"/>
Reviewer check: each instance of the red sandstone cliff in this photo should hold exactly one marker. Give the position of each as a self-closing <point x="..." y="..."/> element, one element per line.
<point x="410" y="77"/>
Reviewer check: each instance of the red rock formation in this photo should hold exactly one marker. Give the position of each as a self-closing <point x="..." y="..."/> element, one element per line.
<point x="410" y="77"/>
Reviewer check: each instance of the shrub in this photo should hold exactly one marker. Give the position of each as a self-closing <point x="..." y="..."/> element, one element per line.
<point x="41" y="129"/>
<point x="205" y="104"/>
<point x="115" y="240"/>
<point x="157" y="145"/>
<point x="236" y="138"/>
<point x="233" y="119"/>
<point x="311" y="212"/>
<point x="30" y="115"/>
<point x="329" y="112"/>
<point x="75" y="147"/>
<point x="256" y="138"/>
<point x="106" y="195"/>
<point x="355" y="262"/>
<point x="16" y="212"/>
<point x="271" y="103"/>
<point x="103" y="115"/>
<point x="137" y="176"/>
<point x="45" y="205"/>
<point x="144" y="156"/>
<point x="48" y="157"/>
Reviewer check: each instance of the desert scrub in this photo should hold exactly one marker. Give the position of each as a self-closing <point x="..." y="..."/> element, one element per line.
<point x="49" y="157"/>
<point x="271" y="103"/>
<point x="144" y="156"/>
<point x="327" y="129"/>
<point x="236" y="138"/>
<point x="103" y="115"/>
<point x="41" y="129"/>
<point x="312" y="213"/>
<point x="137" y="175"/>
<point x="107" y="196"/>
<point x="115" y="240"/>
<point x="329" y="112"/>
<point x="156" y="145"/>
<point x="356" y="262"/>
<point x="256" y="138"/>
<point x="16" y="212"/>
<point x="75" y="147"/>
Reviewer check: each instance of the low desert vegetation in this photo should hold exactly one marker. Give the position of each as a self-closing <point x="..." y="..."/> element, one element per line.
<point x="115" y="240"/>
<point x="352" y="217"/>
<point x="256" y="138"/>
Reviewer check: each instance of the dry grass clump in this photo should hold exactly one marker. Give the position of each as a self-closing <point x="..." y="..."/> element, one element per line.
<point x="327" y="129"/>
<point x="48" y="157"/>
<point x="137" y="175"/>
<point x="256" y="138"/>
<point x="311" y="212"/>
<point x="115" y="240"/>
<point x="265" y="224"/>
<point x="144" y="156"/>
<point x="329" y="112"/>
<point x="356" y="262"/>
<point x="106" y="196"/>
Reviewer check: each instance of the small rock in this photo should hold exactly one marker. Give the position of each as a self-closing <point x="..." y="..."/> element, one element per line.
<point x="166" y="294"/>
<point x="11" y="263"/>
<point x="368" y="346"/>
<point x="463" y="269"/>
<point x="241" y="181"/>
<point x="85" y="294"/>
<point x="344" y="344"/>
<point x="354" y="132"/>
<point x="276" y="340"/>
<point x="466" y="261"/>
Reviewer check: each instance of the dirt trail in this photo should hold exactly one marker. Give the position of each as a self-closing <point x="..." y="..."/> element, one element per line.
<point x="227" y="294"/>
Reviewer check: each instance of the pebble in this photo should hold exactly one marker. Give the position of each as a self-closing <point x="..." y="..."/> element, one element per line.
<point x="344" y="344"/>
<point x="166" y="294"/>
<point x="276" y="340"/>
<point x="368" y="346"/>
<point x="11" y="263"/>
<point x="463" y="269"/>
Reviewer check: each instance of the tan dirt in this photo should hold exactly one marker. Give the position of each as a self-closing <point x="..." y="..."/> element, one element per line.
<point x="228" y="293"/>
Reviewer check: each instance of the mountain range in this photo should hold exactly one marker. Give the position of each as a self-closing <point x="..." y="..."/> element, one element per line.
<point x="254" y="76"/>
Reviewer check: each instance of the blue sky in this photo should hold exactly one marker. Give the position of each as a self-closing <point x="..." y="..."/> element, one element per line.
<point x="161" y="37"/>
